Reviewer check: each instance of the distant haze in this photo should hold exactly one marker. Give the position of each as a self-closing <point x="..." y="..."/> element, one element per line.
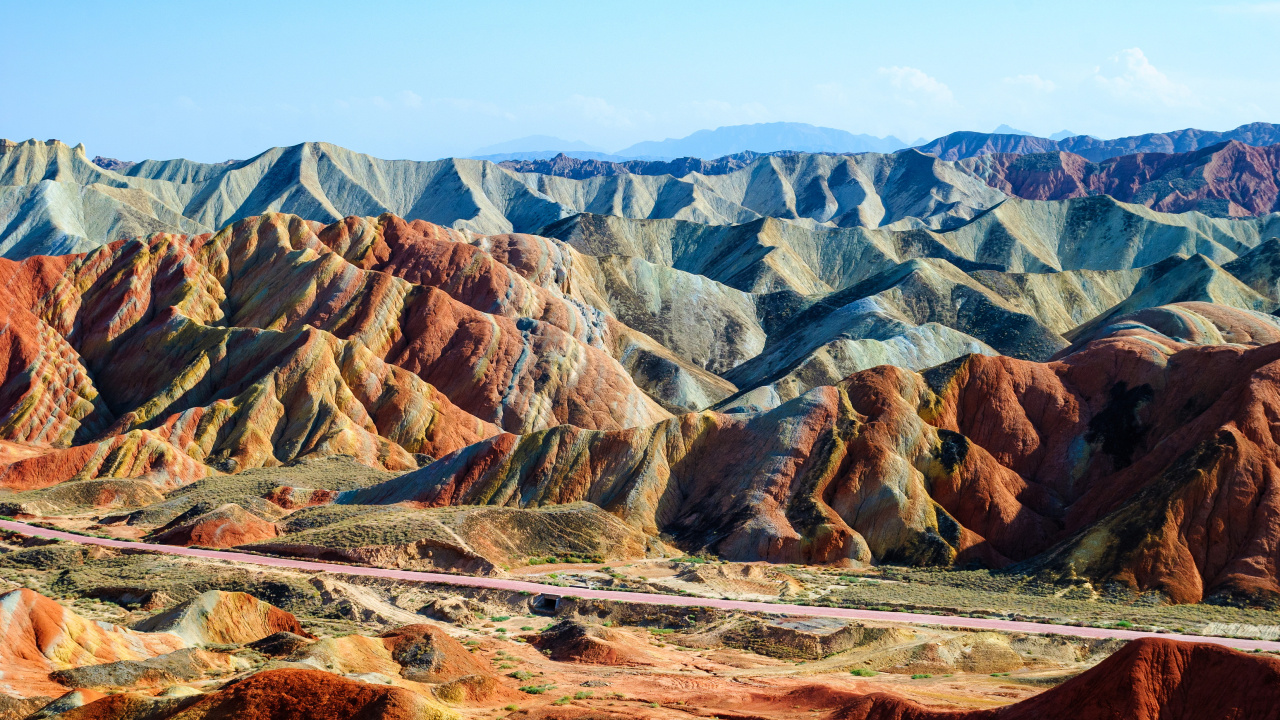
<point x="762" y="137"/>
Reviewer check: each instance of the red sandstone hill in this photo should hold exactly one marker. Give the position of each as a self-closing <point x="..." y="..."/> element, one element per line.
<point x="1142" y="455"/>
<point x="1148" y="679"/>
<point x="264" y="343"/>
<point x="1230" y="179"/>
<point x="1143" y="459"/>
<point x="273" y="695"/>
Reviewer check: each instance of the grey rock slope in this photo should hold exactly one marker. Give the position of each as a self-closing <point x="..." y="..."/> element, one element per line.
<point x="88" y="205"/>
<point x="1016" y="236"/>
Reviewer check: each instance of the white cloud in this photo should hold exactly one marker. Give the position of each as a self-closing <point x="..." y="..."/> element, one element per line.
<point x="411" y="99"/>
<point x="917" y="83"/>
<point x="1031" y="82"/>
<point x="1139" y="81"/>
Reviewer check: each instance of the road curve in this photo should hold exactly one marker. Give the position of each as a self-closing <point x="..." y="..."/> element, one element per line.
<point x="651" y="598"/>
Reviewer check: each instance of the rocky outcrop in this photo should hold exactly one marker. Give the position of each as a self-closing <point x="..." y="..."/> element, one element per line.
<point x="580" y="642"/>
<point x="1147" y="679"/>
<point x="428" y="654"/>
<point x="223" y="527"/>
<point x="223" y="618"/>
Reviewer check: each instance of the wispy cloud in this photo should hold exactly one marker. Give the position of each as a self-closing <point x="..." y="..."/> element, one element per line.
<point x="1137" y="80"/>
<point x="410" y="99"/>
<point x="1030" y="82"/>
<point x="915" y="83"/>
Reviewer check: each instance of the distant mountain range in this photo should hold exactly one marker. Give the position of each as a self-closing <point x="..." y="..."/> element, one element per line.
<point x="762" y="137"/>
<point x="965" y="144"/>
<point x="53" y="199"/>
<point x="766" y="138"/>
<point x="727" y="140"/>
<point x="1230" y="179"/>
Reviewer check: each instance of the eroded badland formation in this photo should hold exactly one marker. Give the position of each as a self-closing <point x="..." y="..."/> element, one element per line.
<point x="1021" y="383"/>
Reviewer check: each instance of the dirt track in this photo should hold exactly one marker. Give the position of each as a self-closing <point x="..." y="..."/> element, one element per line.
<point x="741" y="605"/>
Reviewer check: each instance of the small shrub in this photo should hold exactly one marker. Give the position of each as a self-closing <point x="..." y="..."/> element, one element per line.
<point x="582" y="695"/>
<point x="1123" y="624"/>
<point x="511" y="708"/>
<point x="500" y="618"/>
<point x="862" y="672"/>
<point x="526" y="628"/>
<point x="536" y="689"/>
<point x="921" y="676"/>
<point x="562" y="701"/>
<point x="520" y="675"/>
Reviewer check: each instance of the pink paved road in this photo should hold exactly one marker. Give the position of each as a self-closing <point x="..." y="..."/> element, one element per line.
<point x="651" y="598"/>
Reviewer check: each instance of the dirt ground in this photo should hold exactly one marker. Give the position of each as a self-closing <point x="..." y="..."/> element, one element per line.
<point x="638" y="661"/>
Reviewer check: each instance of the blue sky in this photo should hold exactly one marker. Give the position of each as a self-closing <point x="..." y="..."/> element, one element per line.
<point x="420" y="80"/>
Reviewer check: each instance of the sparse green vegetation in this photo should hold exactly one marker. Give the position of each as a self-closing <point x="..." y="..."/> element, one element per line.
<point x="500" y="618"/>
<point x="521" y="675"/>
<point x="921" y="676"/>
<point x="562" y="701"/>
<point x="536" y="689"/>
<point x="582" y="695"/>
<point x="862" y="672"/>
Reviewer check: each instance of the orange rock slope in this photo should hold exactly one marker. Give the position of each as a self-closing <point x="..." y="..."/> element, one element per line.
<point x="41" y="636"/>
<point x="174" y="356"/>
<point x="1143" y="458"/>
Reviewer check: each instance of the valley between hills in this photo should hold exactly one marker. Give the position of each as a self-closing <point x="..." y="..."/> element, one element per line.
<point x="1017" y="385"/>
